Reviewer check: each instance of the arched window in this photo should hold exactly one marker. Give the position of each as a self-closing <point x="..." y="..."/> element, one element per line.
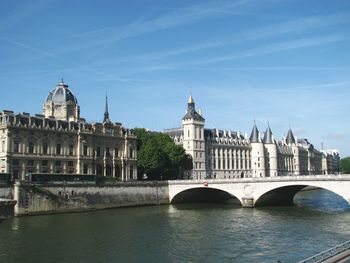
<point x="31" y="147"/>
<point x="58" y="148"/>
<point x="131" y="172"/>
<point x="116" y="152"/>
<point x="45" y="148"/>
<point x="16" y="147"/>
<point x="99" y="169"/>
<point x="117" y="171"/>
<point x="108" y="170"/>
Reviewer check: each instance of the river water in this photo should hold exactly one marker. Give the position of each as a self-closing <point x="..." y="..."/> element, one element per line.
<point x="181" y="233"/>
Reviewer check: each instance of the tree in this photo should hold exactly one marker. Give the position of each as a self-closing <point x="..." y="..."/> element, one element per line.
<point x="159" y="157"/>
<point x="151" y="159"/>
<point x="185" y="166"/>
<point x="345" y="165"/>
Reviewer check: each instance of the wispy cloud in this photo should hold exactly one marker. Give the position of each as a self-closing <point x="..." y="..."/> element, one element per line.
<point x="105" y="37"/>
<point x="67" y="61"/>
<point x="273" y="48"/>
<point x="264" y="50"/>
<point x="274" y="30"/>
<point x="336" y="136"/>
<point x="298" y="25"/>
<point x="23" y="11"/>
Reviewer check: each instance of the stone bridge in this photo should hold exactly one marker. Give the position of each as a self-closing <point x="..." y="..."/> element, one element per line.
<point x="251" y="192"/>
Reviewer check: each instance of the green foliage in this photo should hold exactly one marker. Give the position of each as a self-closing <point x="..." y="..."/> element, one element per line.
<point x="159" y="157"/>
<point x="345" y="165"/>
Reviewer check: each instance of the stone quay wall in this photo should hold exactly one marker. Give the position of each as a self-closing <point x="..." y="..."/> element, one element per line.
<point x="70" y="197"/>
<point x="6" y="191"/>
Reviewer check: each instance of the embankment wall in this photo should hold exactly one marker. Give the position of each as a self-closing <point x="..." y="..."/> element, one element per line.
<point x="70" y="197"/>
<point x="6" y="191"/>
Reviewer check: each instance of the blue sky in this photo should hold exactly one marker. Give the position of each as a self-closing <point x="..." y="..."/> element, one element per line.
<point x="282" y="62"/>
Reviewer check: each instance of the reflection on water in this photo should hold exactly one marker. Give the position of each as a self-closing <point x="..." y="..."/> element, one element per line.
<point x="181" y="233"/>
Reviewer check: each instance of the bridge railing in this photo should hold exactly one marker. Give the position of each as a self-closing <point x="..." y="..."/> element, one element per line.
<point x="328" y="254"/>
<point x="264" y="179"/>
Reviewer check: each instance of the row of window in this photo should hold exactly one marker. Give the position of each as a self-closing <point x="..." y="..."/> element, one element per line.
<point x="45" y="148"/>
<point x="225" y="153"/>
<point x="98" y="168"/>
<point x="235" y="164"/>
<point x="30" y="162"/>
<point x="198" y="165"/>
<point x="59" y="150"/>
<point x="198" y="133"/>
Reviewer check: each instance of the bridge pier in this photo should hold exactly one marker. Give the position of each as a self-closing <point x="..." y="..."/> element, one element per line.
<point x="247" y="202"/>
<point x="7" y="208"/>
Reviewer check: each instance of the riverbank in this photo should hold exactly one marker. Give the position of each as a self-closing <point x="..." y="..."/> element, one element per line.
<point x="33" y="199"/>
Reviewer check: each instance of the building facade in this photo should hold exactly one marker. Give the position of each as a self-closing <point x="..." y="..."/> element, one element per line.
<point x="60" y="141"/>
<point x="230" y="154"/>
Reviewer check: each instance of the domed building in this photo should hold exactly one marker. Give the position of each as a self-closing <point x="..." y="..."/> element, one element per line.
<point x="62" y="104"/>
<point x="59" y="141"/>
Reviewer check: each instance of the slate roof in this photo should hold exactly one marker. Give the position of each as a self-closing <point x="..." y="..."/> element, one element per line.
<point x="254" y="137"/>
<point x="61" y="94"/>
<point x="290" y="137"/>
<point x="268" y="136"/>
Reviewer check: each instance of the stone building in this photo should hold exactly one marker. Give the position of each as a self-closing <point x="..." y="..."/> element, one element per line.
<point x="330" y="161"/>
<point x="60" y="141"/>
<point x="231" y="154"/>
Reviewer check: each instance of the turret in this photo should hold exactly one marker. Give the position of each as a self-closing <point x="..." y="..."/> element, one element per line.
<point x="193" y="142"/>
<point x="271" y="153"/>
<point x="290" y="140"/>
<point x="258" y="160"/>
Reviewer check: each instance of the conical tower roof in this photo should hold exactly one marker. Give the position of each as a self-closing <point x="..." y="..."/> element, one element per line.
<point x="254" y="136"/>
<point x="268" y="136"/>
<point x="290" y="137"/>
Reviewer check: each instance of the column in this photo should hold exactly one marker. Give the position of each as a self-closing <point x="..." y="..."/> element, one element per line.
<point x="234" y="159"/>
<point x="243" y="160"/>
<point x="113" y="166"/>
<point x="230" y="159"/>
<point x="221" y="158"/>
<point x="123" y="171"/>
<point x="239" y="159"/>
<point x="104" y="161"/>
<point x="79" y="154"/>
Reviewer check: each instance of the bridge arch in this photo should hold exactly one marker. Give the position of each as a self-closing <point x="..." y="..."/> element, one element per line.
<point x="204" y="194"/>
<point x="283" y="194"/>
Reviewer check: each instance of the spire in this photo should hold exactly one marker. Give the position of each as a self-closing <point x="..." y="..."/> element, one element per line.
<point x="190" y="104"/>
<point x="191" y="111"/>
<point x="290" y="137"/>
<point x="254" y="137"/>
<point x="62" y="84"/>
<point x="268" y="136"/>
<point x="106" y="114"/>
<point x="190" y="99"/>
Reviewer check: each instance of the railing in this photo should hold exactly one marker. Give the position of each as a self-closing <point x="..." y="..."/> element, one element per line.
<point x="338" y="177"/>
<point x="328" y="254"/>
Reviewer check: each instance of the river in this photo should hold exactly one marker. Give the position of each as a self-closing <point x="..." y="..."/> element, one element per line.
<point x="181" y="233"/>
